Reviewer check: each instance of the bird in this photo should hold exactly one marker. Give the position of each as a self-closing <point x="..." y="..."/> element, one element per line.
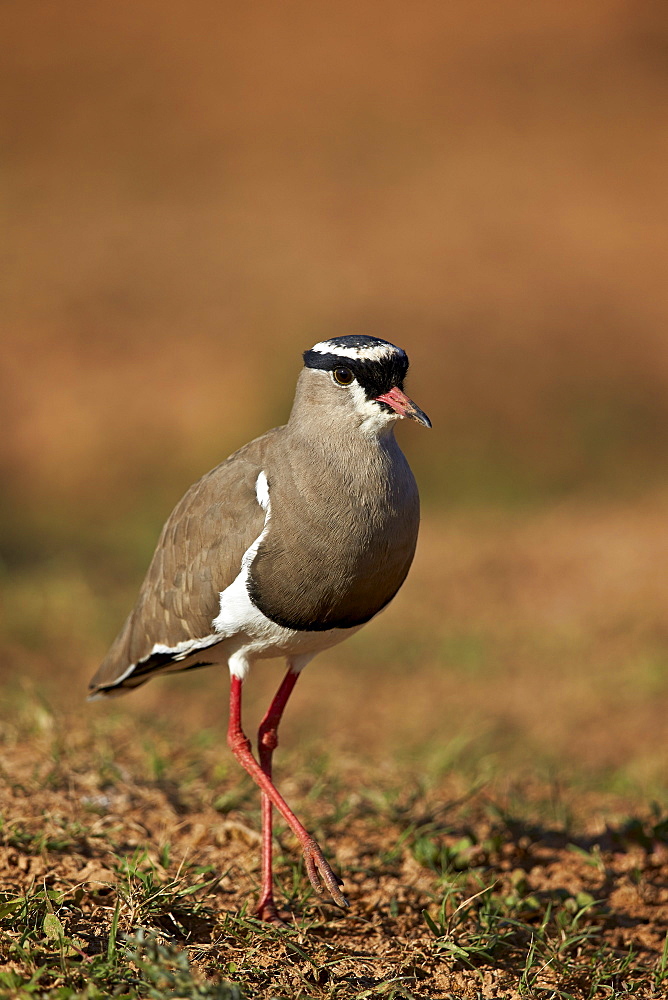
<point x="285" y="549"/>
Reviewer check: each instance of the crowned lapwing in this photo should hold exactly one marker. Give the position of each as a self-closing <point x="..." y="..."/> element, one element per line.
<point x="285" y="549"/>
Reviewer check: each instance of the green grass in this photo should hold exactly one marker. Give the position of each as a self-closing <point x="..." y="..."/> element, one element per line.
<point x="449" y="890"/>
<point x="483" y="766"/>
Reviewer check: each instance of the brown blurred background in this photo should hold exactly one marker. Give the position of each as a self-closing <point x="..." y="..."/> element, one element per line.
<point x="195" y="193"/>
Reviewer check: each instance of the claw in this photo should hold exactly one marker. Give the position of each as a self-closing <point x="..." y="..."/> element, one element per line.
<point x="321" y="875"/>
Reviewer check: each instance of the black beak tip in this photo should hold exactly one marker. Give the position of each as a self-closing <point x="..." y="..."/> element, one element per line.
<point x="417" y="414"/>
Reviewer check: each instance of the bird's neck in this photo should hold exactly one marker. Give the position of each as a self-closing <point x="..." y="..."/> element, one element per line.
<point x="359" y="468"/>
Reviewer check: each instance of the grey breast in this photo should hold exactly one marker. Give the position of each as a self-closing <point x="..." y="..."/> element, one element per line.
<point x="342" y="531"/>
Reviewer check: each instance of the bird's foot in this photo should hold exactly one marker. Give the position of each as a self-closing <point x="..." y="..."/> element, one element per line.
<point x="320" y="874"/>
<point x="266" y="910"/>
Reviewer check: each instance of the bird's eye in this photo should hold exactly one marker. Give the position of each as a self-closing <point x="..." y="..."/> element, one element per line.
<point x="343" y="376"/>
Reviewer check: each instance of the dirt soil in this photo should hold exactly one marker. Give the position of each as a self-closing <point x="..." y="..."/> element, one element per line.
<point x="72" y="827"/>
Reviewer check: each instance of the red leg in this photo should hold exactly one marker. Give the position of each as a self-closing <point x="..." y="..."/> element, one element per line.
<point x="267" y="741"/>
<point x="317" y="868"/>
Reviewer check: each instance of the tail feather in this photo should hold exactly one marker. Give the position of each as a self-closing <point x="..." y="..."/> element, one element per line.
<point x="161" y="661"/>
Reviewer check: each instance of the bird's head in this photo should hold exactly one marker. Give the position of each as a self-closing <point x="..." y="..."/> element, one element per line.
<point x="360" y="379"/>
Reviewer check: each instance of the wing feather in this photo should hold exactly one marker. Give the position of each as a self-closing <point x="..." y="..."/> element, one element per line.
<point x="197" y="556"/>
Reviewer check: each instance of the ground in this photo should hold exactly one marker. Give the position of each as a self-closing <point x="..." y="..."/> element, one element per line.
<point x="112" y="874"/>
<point x="488" y="781"/>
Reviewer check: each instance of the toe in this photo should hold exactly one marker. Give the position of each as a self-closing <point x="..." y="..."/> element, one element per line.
<point x="266" y="910"/>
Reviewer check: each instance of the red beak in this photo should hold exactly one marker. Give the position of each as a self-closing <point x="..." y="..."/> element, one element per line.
<point x="404" y="406"/>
